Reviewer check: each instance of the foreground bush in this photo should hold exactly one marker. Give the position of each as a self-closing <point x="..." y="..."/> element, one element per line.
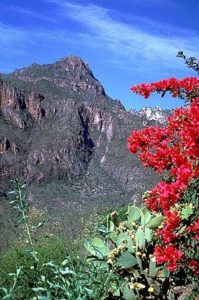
<point x="174" y="150"/>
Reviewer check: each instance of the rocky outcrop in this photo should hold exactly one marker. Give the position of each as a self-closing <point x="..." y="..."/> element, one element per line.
<point x="153" y="114"/>
<point x="20" y="109"/>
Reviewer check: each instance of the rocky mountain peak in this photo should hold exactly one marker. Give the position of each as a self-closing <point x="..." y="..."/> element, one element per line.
<point x="75" y="63"/>
<point x="70" y="73"/>
<point x="153" y="114"/>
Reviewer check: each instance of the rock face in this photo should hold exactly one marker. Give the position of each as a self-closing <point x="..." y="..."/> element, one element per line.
<point x="67" y="138"/>
<point x="153" y="114"/>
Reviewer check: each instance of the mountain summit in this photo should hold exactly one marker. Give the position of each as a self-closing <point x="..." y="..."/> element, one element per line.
<point x="69" y="73"/>
<point x="67" y="139"/>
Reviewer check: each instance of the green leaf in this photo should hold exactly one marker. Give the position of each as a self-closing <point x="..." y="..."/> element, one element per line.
<point x="101" y="264"/>
<point x="162" y="273"/>
<point x="97" y="247"/>
<point x="126" y="260"/>
<point x="124" y="239"/>
<point x="116" y="293"/>
<point x="171" y="296"/>
<point x="111" y="226"/>
<point x="64" y="262"/>
<point x="67" y="271"/>
<point x="145" y="216"/>
<point x="4" y="290"/>
<point x="140" y="237"/>
<point x="157" y="288"/>
<point x="155" y="222"/>
<point x="7" y="297"/>
<point x="43" y="298"/>
<point x="129" y="294"/>
<point x="39" y="289"/>
<point x="12" y="193"/>
<point x="50" y="264"/>
<point x="152" y="269"/>
<point x="40" y="224"/>
<point x="166" y="273"/>
<point x="18" y="271"/>
<point x="134" y="213"/>
<point x="148" y="234"/>
<point x="186" y="212"/>
<point x="139" y="261"/>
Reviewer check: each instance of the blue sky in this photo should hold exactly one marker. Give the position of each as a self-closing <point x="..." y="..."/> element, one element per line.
<point x="125" y="42"/>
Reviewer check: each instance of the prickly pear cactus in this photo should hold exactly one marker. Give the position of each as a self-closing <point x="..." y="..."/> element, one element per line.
<point x="128" y="249"/>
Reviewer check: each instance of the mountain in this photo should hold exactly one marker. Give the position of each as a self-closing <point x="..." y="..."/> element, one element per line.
<point x="153" y="114"/>
<point x="66" y="137"/>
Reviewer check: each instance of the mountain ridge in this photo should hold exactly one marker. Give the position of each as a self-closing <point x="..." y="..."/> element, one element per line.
<point x="67" y="139"/>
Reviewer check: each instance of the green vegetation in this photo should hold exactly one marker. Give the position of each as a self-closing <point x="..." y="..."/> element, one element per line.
<point x="21" y="258"/>
<point x="117" y="261"/>
<point x="43" y="266"/>
<point x="128" y="247"/>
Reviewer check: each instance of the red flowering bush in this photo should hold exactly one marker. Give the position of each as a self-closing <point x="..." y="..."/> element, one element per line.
<point x="174" y="151"/>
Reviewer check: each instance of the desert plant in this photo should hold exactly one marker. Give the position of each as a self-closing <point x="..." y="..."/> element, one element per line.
<point x="128" y="248"/>
<point x="76" y="279"/>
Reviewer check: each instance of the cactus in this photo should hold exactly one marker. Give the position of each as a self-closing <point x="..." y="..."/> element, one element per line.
<point x="128" y="249"/>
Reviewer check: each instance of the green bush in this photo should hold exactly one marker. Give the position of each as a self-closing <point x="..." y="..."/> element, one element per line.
<point x="52" y="250"/>
<point x="76" y="279"/>
<point x="50" y="278"/>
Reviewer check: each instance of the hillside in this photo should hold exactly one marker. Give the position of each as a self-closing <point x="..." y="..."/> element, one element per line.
<point x="67" y="139"/>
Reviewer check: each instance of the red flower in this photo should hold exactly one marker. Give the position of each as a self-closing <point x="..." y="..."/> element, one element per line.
<point x="172" y="221"/>
<point x="169" y="255"/>
<point x="194" y="265"/>
<point x="194" y="228"/>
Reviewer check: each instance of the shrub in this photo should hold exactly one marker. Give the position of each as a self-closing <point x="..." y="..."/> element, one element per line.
<point x="174" y="149"/>
<point x="75" y="279"/>
<point x="52" y="250"/>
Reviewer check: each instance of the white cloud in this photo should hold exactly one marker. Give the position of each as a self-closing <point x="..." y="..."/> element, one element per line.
<point x="101" y="30"/>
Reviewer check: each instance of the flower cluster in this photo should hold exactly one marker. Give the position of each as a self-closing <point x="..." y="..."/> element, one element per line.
<point x="177" y="88"/>
<point x="194" y="229"/>
<point x="171" y="223"/>
<point x="173" y="149"/>
<point x="169" y="255"/>
<point x="194" y="265"/>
